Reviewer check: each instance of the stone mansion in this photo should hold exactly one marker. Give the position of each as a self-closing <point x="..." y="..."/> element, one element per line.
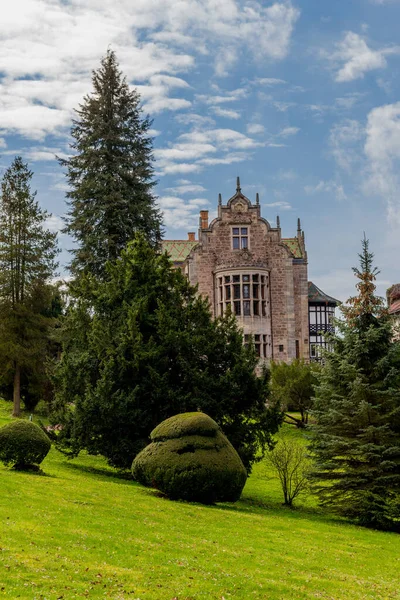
<point x="241" y="262"/>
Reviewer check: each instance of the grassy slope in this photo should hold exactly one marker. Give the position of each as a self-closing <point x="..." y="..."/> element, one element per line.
<point x="81" y="531"/>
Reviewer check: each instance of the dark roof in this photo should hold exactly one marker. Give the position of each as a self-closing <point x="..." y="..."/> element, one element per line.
<point x="317" y="296"/>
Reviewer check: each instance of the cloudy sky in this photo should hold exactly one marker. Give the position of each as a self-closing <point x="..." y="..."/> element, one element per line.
<point x="300" y="99"/>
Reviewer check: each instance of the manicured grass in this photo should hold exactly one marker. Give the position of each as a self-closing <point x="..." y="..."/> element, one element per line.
<point x="82" y="531"/>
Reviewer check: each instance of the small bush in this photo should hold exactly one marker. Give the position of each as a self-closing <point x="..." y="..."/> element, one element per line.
<point x="289" y="460"/>
<point x="23" y="444"/>
<point x="191" y="459"/>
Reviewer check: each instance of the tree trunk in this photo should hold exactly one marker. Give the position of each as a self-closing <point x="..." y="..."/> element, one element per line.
<point x="17" y="391"/>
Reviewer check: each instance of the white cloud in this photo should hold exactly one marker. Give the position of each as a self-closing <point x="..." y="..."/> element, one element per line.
<point x="179" y="213"/>
<point x="227" y="160"/>
<point x="255" y="128"/>
<point x="171" y="168"/>
<point x="229" y="96"/>
<point x="269" y="81"/>
<point x="282" y="205"/>
<point x="226" y="113"/>
<point x="3" y="143"/>
<point x="288" y="131"/>
<point x="286" y="175"/>
<point x="54" y="223"/>
<point x="197" y="121"/>
<point x="186" y="188"/>
<point x="345" y="142"/>
<point x="204" y="147"/>
<point x="49" y="47"/>
<point x="382" y="151"/>
<point x="327" y="187"/>
<point x="155" y="95"/>
<point x="348" y="101"/>
<point x="358" y="58"/>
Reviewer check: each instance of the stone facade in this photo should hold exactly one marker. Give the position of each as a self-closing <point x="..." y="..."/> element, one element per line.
<point x="243" y="264"/>
<point x="393" y="298"/>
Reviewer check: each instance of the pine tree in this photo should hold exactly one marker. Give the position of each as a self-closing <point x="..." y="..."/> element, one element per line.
<point x="27" y="261"/>
<point x="356" y="438"/>
<point x="144" y="348"/>
<point x="110" y="173"/>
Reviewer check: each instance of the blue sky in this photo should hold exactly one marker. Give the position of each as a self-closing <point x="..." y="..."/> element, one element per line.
<point x="300" y="99"/>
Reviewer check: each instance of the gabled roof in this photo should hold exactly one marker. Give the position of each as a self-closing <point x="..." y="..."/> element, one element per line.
<point x="178" y="250"/>
<point x="317" y="296"/>
<point x="294" y="246"/>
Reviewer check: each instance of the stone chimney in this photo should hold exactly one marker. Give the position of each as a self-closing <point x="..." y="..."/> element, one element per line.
<point x="204" y="219"/>
<point x="191" y="236"/>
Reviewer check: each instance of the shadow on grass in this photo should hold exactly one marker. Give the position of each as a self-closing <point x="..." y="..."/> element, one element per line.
<point x="122" y="477"/>
<point x="34" y="470"/>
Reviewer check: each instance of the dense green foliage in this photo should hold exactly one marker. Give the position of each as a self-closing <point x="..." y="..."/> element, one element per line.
<point x="189" y="458"/>
<point x="145" y="348"/>
<point x="356" y="439"/>
<point x="293" y="386"/>
<point x="27" y="261"/>
<point x="110" y="173"/>
<point x="22" y="444"/>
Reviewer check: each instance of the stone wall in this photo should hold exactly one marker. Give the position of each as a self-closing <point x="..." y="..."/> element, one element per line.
<point x="286" y="314"/>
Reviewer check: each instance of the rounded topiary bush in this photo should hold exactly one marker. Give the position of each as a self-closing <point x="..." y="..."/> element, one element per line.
<point x="23" y="444"/>
<point x="189" y="458"/>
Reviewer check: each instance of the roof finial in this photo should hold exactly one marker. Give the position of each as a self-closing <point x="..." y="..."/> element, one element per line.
<point x="278" y="222"/>
<point x="238" y="188"/>
<point x="257" y="199"/>
<point x="219" y="199"/>
<point x="298" y="225"/>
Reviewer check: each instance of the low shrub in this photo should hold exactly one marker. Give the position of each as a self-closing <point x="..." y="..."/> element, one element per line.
<point x="22" y="444"/>
<point x="191" y="459"/>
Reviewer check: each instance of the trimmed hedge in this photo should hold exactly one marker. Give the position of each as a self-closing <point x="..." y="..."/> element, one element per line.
<point x="22" y="444"/>
<point x="191" y="459"/>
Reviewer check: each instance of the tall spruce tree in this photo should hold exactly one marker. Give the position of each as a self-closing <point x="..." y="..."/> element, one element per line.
<point x="145" y="347"/>
<point x="356" y="438"/>
<point x="27" y="261"/>
<point x="110" y="173"/>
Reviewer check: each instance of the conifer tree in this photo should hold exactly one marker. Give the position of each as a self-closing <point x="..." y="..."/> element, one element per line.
<point x="356" y="438"/>
<point x="27" y="261"/>
<point x="144" y="348"/>
<point x="110" y="173"/>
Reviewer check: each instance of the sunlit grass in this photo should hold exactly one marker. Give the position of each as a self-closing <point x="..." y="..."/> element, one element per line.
<point x="81" y="531"/>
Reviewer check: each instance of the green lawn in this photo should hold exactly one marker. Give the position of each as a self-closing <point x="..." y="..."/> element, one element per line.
<point x="83" y="532"/>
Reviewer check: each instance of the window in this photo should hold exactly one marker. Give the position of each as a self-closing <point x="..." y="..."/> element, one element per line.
<point x="321" y="319"/>
<point x="240" y="238"/>
<point x="257" y="344"/>
<point x="280" y="347"/>
<point x="240" y="294"/>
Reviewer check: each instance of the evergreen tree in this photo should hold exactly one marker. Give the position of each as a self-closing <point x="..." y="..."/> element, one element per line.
<point x="27" y="261"/>
<point x="145" y="348"/>
<point x="110" y="173"/>
<point x="356" y="439"/>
